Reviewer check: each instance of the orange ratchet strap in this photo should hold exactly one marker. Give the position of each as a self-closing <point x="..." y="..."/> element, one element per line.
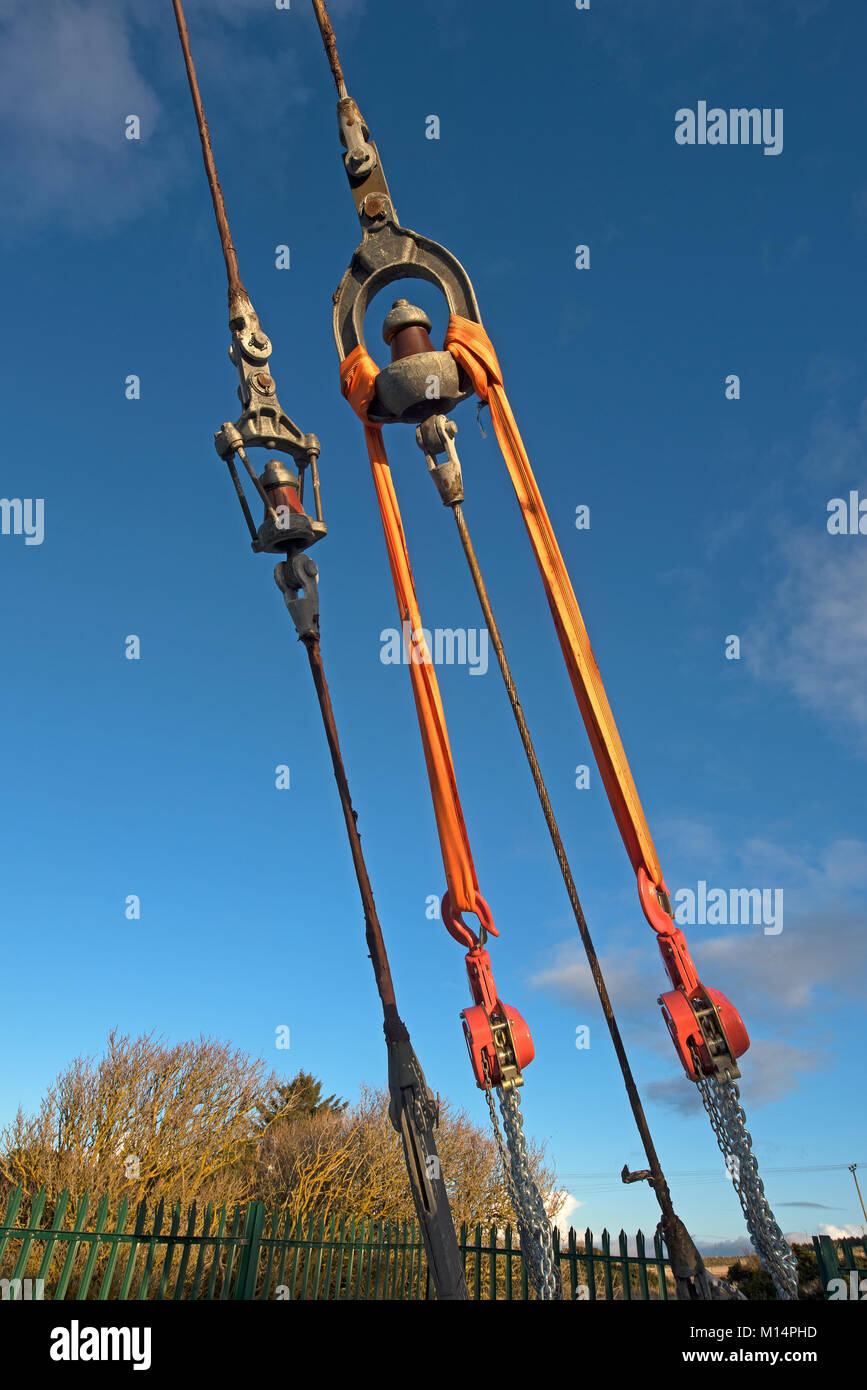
<point x="357" y="381"/>
<point x="498" y="1040"/>
<point x="722" y="1036"/>
<point x="471" y="348"/>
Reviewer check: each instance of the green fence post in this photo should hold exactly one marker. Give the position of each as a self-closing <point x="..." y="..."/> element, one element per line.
<point x="186" y="1252"/>
<point x="826" y="1258"/>
<point x="573" y="1265"/>
<point x="624" y="1267"/>
<point x="11" y="1216"/>
<point x="606" y="1265"/>
<point x="248" y="1265"/>
<point x="72" y="1246"/>
<point x="591" y="1264"/>
<point x="643" y="1290"/>
<point x="660" y="1265"/>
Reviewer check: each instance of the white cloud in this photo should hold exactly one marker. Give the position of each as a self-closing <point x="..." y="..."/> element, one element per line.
<point x="71" y="71"/>
<point x="67" y="81"/>
<point x="788" y="985"/>
<point x="837" y="449"/>
<point x="629" y="976"/>
<point x="811" y="637"/>
<point x="822" y="947"/>
<point x="773" y="1067"/>
<point x="566" y="1215"/>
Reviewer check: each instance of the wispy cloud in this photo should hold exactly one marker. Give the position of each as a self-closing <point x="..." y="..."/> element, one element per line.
<point x="71" y="71"/>
<point x="811" y="635"/>
<point x="785" y="255"/>
<point x="820" y="1206"/>
<point x="68" y="80"/>
<point x="838" y="443"/>
<point x="774" y="1069"/>
<point x="567" y="976"/>
<point x="786" y="981"/>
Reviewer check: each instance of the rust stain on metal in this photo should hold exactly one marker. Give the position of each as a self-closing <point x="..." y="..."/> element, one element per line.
<point x="230" y="255"/>
<point x="330" y="43"/>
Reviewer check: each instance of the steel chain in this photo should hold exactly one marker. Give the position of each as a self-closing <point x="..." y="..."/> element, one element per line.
<point x="721" y="1100"/>
<point x="534" y="1228"/>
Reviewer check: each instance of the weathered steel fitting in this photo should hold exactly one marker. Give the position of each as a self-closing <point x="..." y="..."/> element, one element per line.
<point x="228" y="440"/>
<point x="297" y="578"/>
<point x="406" y="330"/>
<point x="263" y="420"/>
<point x="248" y="338"/>
<point x="420" y="381"/>
<point x="437" y="436"/>
<point x="293" y="530"/>
<point x="360" y="158"/>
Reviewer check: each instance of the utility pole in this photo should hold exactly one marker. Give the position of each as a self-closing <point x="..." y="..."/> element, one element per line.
<point x="852" y="1167"/>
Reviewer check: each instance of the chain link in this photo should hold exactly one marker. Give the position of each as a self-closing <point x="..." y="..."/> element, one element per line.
<point x="534" y="1228"/>
<point x="721" y="1100"/>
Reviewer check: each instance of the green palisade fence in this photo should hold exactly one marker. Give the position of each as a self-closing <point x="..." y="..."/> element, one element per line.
<point x="840" y="1259"/>
<point x="76" y="1251"/>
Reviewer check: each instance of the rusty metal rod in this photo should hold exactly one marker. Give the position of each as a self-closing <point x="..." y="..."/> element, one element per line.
<point x="409" y="1110"/>
<point x="394" y="1027"/>
<point x="230" y="255"/>
<point x="686" y="1261"/>
<point x="429" y="1193"/>
<point x="317" y="496"/>
<point x="248" y="515"/>
<point x="327" y="31"/>
<point x="257" y="483"/>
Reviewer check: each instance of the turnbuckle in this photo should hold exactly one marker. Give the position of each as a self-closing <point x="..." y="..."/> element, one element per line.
<point x="707" y="1031"/>
<point x="498" y="1039"/>
<point x="264" y="423"/>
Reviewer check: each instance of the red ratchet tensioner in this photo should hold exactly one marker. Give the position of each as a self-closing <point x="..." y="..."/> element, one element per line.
<point x="498" y="1040"/>
<point x="707" y="1031"/>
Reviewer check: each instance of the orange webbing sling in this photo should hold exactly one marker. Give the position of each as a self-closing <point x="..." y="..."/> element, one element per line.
<point x="471" y="348"/>
<point x="357" y="379"/>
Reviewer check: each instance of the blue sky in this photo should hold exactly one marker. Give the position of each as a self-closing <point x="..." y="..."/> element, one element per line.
<point x="708" y="518"/>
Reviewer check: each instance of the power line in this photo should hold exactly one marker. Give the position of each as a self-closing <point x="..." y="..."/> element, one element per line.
<point x="710" y="1172"/>
<point x="599" y="1184"/>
